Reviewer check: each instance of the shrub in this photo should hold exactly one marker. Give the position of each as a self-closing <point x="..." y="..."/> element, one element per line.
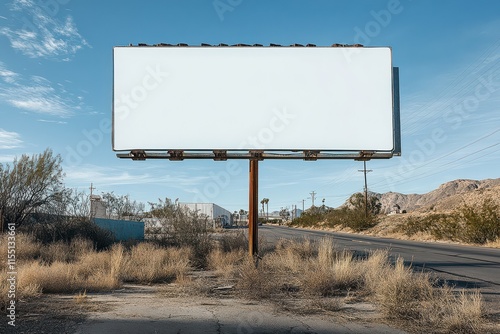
<point x="67" y="229"/>
<point x="482" y="223"/>
<point x="469" y="224"/>
<point x="354" y="218"/>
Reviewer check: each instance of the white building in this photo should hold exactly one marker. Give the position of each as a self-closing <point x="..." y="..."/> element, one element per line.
<point x="218" y="215"/>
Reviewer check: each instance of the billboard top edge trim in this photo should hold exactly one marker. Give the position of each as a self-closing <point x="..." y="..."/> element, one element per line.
<point x="251" y="47"/>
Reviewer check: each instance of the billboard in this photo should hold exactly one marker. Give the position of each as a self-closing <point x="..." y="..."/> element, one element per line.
<point x="253" y="98"/>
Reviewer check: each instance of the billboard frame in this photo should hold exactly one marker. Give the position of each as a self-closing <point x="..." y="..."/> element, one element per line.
<point x="254" y="156"/>
<point x="179" y="153"/>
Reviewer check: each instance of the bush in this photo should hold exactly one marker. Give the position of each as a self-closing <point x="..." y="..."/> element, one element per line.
<point x="181" y="227"/>
<point x="351" y="217"/>
<point x="67" y="229"/>
<point x="480" y="224"/>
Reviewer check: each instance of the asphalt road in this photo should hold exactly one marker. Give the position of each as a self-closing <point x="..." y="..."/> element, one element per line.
<point x="464" y="266"/>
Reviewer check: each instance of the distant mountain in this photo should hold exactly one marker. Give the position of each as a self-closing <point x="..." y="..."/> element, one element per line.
<point x="448" y="196"/>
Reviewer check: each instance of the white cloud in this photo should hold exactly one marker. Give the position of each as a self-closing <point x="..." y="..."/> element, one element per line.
<point x="9" y="140"/>
<point x="37" y="31"/>
<point x="107" y="176"/>
<point x="36" y="94"/>
<point x="7" y="75"/>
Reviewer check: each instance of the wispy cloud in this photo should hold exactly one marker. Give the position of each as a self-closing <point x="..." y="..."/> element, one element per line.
<point x="51" y="121"/>
<point x="37" y="31"/>
<point x="106" y="176"/>
<point x="36" y="94"/>
<point x="9" y="140"/>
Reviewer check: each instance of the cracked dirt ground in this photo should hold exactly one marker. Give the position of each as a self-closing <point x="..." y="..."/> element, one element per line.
<point x="140" y="309"/>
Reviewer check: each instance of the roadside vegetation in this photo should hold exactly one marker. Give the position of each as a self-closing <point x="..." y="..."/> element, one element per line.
<point x="59" y="250"/>
<point x="299" y="276"/>
<point x="470" y="224"/>
<point x="353" y="215"/>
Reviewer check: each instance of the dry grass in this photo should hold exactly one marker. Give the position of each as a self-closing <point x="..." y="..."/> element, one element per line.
<point x="313" y="276"/>
<point x="225" y="264"/>
<point x="81" y="297"/>
<point x="27" y="248"/>
<point x="493" y="244"/>
<point x="148" y="263"/>
<point x="327" y="276"/>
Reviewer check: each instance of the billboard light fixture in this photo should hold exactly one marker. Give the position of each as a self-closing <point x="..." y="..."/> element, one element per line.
<point x="176" y="155"/>
<point x="311" y="155"/>
<point x="220" y="155"/>
<point x="257" y="155"/>
<point x="365" y="155"/>
<point x="138" y="155"/>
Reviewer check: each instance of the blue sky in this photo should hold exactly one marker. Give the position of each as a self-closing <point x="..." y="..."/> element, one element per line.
<point x="56" y="91"/>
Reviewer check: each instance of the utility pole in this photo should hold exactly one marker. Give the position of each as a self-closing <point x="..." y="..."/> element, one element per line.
<point x="303" y="205"/>
<point x="312" y="197"/>
<point x="364" y="170"/>
<point x="92" y="207"/>
<point x="253" y="208"/>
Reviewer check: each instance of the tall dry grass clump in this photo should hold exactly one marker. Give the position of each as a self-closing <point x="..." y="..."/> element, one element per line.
<point x="404" y="295"/>
<point x="92" y="271"/>
<point x="401" y="293"/>
<point x="27" y="248"/>
<point x="225" y="263"/>
<point x="149" y="263"/>
<point x="333" y="272"/>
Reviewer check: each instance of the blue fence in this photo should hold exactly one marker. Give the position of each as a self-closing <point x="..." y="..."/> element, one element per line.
<point x="122" y="229"/>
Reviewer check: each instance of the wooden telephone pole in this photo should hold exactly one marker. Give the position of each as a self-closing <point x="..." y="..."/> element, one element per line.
<point x="364" y="170"/>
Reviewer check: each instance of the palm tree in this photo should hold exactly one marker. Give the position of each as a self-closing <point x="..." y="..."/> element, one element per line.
<point x="262" y="202"/>
<point x="266" y="201"/>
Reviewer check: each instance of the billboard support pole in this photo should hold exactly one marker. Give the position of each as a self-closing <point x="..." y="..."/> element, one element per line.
<point x="253" y="237"/>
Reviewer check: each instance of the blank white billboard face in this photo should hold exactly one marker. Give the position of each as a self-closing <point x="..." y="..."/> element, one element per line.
<point x="253" y="98"/>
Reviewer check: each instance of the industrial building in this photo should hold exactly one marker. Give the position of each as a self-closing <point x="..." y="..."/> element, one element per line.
<point x="219" y="216"/>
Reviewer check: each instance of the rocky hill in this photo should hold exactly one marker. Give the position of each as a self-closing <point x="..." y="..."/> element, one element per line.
<point x="447" y="197"/>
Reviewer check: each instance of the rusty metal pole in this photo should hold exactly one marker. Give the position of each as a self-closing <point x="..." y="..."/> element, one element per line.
<point x="253" y="207"/>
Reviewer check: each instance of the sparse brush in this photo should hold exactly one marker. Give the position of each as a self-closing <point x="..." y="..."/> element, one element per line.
<point x="81" y="297"/>
<point x="375" y="269"/>
<point x="233" y="241"/>
<point x="257" y="282"/>
<point x="402" y="292"/>
<point x="148" y="263"/>
<point x="224" y="263"/>
<point x="56" y="252"/>
<point x="333" y="276"/>
<point x="466" y="311"/>
<point x="27" y="248"/>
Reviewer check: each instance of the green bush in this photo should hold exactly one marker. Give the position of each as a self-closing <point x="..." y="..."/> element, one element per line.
<point x="469" y="224"/>
<point x="481" y="224"/>
<point x="355" y="219"/>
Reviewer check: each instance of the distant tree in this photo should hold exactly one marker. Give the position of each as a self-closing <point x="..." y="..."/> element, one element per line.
<point x="357" y="202"/>
<point x="284" y="214"/>
<point x="122" y="207"/>
<point x="31" y="184"/>
<point x="266" y="202"/>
